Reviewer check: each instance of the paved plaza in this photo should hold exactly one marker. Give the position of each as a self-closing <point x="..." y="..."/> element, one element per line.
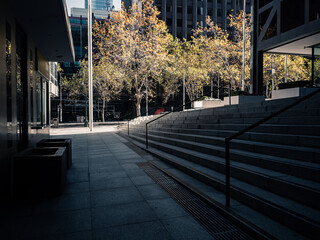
<point x="107" y="197"/>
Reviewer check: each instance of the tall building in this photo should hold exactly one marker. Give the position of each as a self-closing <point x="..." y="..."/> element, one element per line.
<point x="128" y="3"/>
<point x="182" y="16"/>
<point x="79" y="28"/>
<point x="100" y="4"/>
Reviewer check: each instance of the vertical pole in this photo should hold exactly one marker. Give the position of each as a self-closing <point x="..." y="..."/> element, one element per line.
<point x="128" y="126"/>
<point x="312" y="65"/>
<point x="147" y="102"/>
<point x="286" y="69"/>
<point x="230" y="93"/>
<point x="90" y="65"/>
<point x="218" y="87"/>
<point x="272" y="78"/>
<point x="256" y="61"/>
<point x="60" y="105"/>
<point x="86" y="121"/>
<point x="227" y="158"/>
<point x="211" y="89"/>
<point x="147" y="144"/>
<point x="244" y="46"/>
<point x="184" y="83"/>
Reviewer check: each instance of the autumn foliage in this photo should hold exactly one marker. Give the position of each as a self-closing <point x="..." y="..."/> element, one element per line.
<point x="133" y="50"/>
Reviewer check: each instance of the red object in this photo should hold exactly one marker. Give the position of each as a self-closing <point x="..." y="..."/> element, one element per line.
<point x="159" y="111"/>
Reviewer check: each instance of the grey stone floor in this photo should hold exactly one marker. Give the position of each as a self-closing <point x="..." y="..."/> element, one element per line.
<point x="107" y="197"/>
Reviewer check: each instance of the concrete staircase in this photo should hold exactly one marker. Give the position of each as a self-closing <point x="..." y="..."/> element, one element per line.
<point x="275" y="168"/>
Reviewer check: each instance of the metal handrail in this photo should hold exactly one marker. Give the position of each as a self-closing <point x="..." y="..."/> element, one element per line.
<point x="173" y="110"/>
<point x="228" y="139"/>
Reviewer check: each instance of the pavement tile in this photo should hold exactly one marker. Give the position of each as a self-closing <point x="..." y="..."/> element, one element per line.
<point x="50" y="224"/>
<point x="102" y="168"/>
<point x="186" y="228"/>
<point x="142" y="180"/>
<point x="137" y="212"/>
<point x="77" y="187"/>
<point x="66" y="202"/>
<point x="99" y="184"/>
<point x="108" y="175"/>
<point x="87" y="235"/>
<point x="115" y="196"/>
<point x="147" y="230"/>
<point x="107" y="197"/>
<point x="74" y="175"/>
<point x="166" y="208"/>
<point x="152" y="191"/>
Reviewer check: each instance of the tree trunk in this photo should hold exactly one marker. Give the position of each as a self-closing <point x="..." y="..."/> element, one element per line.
<point x="138" y="107"/>
<point x="147" y="107"/>
<point x="103" y="106"/>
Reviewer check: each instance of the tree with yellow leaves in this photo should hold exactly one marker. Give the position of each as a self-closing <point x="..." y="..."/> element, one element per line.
<point x="223" y="50"/>
<point x="298" y="68"/>
<point x="135" y="41"/>
<point x="108" y="82"/>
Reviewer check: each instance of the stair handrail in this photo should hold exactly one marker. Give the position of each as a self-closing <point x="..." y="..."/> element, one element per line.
<point x="228" y="139"/>
<point x="173" y="110"/>
<point x="128" y="120"/>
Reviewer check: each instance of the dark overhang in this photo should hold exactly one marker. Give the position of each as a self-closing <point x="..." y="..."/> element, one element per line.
<point x="296" y="45"/>
<point x="47" y="23"/>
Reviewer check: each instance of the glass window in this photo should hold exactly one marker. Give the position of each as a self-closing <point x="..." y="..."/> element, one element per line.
<point x="219" y="12"/>
<point x="9" y="83"/>
<point x="263" y="18"/>
<point x="8" y="73"/>
<point x="31" y="69"/>
<point x="169" y="21"/>
<point x="168" y="8"/>
<point x="272" y="28"/>
<point x="264" y="2"/>
<point x="44" y="102"/>
<point x="314" y="10"/>
<point x="292" y="15"/>
<point x="38" y="99"/>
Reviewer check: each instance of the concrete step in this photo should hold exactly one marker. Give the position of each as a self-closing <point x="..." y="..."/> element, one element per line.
<point x="296" y="216"/>
<point x="309" y="157"/>
<point x="304" y="191"/>
<point x="312" y="120"/>
<point x="304" y="170"/>
<point x="239" y="210"/>
<point x="295" y="129"/>
<point x="313" y="130"/>
<point x="284" y="139"/>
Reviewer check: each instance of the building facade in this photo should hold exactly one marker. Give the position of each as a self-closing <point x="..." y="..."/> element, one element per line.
<point x="26" y="47"/>
<point x="79" y="28"/>
<point x="283" y="27"/>
<point x="181" y="16"/>
<point x="100" y="4"/>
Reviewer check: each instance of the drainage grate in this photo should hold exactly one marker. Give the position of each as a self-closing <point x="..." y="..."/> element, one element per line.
<point x="216" y="225"/>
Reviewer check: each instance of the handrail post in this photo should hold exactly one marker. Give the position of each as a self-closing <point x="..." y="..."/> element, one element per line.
<point x="227" y="163"/>
<point x="147" y="136"/>
<point x="128" y="126"/>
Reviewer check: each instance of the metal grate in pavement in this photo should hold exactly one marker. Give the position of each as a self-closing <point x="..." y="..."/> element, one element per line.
<point x="218" y="226"/>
